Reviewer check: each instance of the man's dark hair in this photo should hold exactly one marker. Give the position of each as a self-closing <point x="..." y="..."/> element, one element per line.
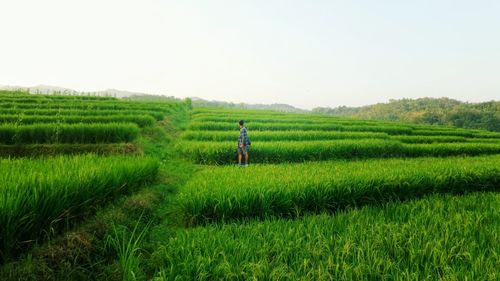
<point x="241" y="122"/>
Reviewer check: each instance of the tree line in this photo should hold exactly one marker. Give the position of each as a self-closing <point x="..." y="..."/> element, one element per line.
<point x="442" y="111"/>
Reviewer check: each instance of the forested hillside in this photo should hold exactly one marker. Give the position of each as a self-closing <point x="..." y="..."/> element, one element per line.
<point x="442" y="111"/>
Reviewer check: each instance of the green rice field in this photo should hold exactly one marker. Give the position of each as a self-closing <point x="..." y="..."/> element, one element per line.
<point x="323" y="198"/>
<point x="39" y="193"/>
<point x="327" y="198"/>
<point x="61" y="156"/>
<point x="436" y="238"/>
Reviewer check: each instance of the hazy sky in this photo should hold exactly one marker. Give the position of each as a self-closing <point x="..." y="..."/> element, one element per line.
<point x="304" y="53"/>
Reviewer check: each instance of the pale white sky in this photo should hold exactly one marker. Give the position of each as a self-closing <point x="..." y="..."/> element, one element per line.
<point x="304" y="53"/>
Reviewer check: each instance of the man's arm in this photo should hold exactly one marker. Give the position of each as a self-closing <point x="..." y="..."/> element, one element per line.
<point x="245" y="137"/>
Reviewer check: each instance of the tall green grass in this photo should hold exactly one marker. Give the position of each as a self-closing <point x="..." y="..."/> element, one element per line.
<point x="38" y="150"/>
<point x="220" y="111"/>
<point x="126" y="247"/>
<point x="461" y="132"/>
<point x="217" y="126"/>
<point x="393" y="129"/>
<point x="432" y="139"/>
<point x="437" y="238"/>
<point x="220" y="115"/>
<point x="305" y="119"/>
<point x="140" y="120"/>
<point x="67" y="133"/>
<point x="233" y="115"/>
<point x="299" y="151"/>
<point x="323" y="135"/>
<point x="311" y="119"/>
<point x="291" y="190"/>
<point x="37" y="196"/>
<point x="77" y="112"/>
<point x="114" y="105"/>
<point x="280" y="135"/>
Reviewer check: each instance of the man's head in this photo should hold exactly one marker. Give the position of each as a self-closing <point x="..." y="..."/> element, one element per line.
<point x="241" y="122"/>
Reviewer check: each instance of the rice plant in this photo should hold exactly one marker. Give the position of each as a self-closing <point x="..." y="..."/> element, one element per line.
<point x="67" y="133"/>
<point x="280" y="135"/>
<point x="218" y="126"/>
<point x="38" y="150"/>
<point x="291" y="190"/>
<point x="436" y="238"/>
<point x="140" y="120"/>
<point x="75" y="112"/>
<point x="39" y="194"/>
<point x="114" y="105"/>
<point x="205" y="152"/>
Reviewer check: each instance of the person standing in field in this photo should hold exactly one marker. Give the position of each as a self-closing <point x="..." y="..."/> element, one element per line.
<point x="243" y="143"/>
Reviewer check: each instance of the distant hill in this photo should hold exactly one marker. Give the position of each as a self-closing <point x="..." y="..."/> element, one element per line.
<point x="443" y="111"/>
<point x="198" y="102"/>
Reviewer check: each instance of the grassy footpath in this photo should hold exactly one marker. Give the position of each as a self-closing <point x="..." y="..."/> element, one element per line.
<point x="437" y="238"/>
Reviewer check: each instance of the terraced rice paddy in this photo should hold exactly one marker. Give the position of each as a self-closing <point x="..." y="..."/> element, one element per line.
<point x="299" y="151"/>
<point x="297" y="138"/>
<point x="323" y="198"/>
<point x="140" y="120"/>
<point x="436" y="238"/>
<point x="229" y="193"/>
<point x="68" y="133"/>
<point x="327" y="198"/>
<point x="55" y="180"/>
<point x="57" y="121"/>
<point x="37" y="194"/>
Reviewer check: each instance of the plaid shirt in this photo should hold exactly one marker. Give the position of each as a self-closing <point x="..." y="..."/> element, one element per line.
<point x="243" y="139"/>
